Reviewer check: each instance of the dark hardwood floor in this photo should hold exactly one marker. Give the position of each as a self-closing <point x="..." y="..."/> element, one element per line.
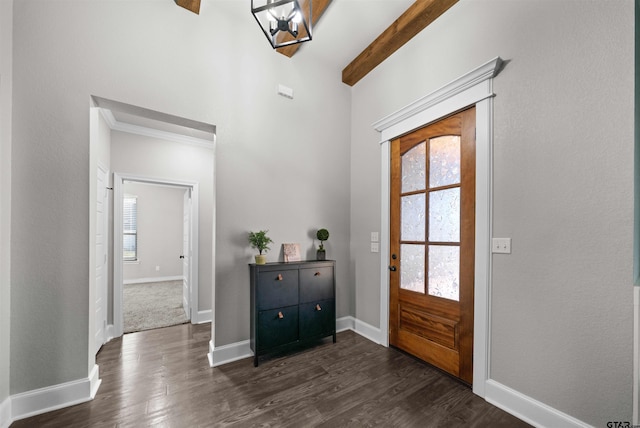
<point x="162" y="378"/>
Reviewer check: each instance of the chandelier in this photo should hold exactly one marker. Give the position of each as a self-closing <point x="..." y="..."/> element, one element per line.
<point x="283" y="22"/>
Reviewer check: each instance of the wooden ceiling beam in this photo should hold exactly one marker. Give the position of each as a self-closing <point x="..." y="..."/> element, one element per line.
<point x="318" y="7"/>
<point x="192" y="5"/>
<point x="411" y="22"/>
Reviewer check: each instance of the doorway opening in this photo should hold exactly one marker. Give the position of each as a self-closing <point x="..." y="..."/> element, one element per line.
<point x="158" y="150"/>
<point x="157" y="255"/>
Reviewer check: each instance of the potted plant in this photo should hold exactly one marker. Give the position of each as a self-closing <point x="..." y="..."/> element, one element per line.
<point x="322" y="235"/>
<point x="260" y="241"/>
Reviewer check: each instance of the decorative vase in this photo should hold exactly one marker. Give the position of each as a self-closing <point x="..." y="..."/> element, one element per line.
<point x="321" y="255"/>
<point x="261" y="259"/>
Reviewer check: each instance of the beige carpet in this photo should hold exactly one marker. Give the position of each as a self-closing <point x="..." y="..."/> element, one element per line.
<point x="152" y="305"/>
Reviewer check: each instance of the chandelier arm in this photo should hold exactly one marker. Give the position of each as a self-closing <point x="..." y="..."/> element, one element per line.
<point x="293" y="13"/>
<point x="273" y="15"/>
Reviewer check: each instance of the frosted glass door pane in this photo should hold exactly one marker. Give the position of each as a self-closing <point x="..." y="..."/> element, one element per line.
<point x="414" y="165"/>
<point x="412" y="272"/>
<point x="444" y="215"/>
<point x="444" y="161"/>
<point x="413" y="217"/>
<point x="444" y="272"/>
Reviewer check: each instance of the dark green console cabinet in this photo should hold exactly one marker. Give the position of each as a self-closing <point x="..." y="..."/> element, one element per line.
<point x="291" y="304"/>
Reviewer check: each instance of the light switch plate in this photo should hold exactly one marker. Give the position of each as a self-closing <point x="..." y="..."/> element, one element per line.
<point x="501" y="245"/>
<point x="374" y="237"/>
<point x="375" y="248"/>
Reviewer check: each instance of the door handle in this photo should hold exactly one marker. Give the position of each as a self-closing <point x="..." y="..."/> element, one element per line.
<point x="393" y="268"/>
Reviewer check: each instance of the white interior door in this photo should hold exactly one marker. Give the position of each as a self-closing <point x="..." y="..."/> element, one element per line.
<point x="186" y="253"/>
<point x="101" y="258"/>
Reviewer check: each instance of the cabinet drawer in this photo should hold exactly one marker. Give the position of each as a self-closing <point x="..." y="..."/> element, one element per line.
<point x="276" y="289"/>
<point x="274" y="330"/>
<point x="317" y="318"/>
<point x="316" y="284"/>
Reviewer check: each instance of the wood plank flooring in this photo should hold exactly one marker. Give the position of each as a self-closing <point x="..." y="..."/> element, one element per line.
<point x="162" y="378"/>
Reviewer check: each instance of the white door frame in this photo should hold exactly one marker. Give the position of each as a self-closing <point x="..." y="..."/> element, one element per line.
<point x="187" y="253"/>
<point x="474" y="88"/>
<point x="101" y="288"/>
<point x="118" y="181"/>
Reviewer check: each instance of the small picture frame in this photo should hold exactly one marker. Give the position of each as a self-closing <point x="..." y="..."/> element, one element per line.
<point x="291" y="252"/>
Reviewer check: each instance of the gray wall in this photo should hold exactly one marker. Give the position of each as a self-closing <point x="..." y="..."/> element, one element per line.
<point x="561" y="324"/>
<point x="160" y="217"/>
<point x="561" y="302"/>
<point x="6" y="37"/>
<point x="282" y="164"/>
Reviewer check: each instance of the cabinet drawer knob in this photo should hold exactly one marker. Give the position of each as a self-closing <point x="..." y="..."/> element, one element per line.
<point x="279" y="277"/>
<point x="280" y="315"/>
<point x="316" y="274"/>
<point x="318" y="308"/>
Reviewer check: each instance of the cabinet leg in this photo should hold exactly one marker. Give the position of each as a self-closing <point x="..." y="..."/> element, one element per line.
<point x="334" y="338"/>
<point x="255" y="361"/>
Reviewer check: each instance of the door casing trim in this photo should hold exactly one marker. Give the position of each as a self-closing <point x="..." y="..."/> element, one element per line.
<point x="104" y="287"/>
<point x="473" y="88"/>
<point x="118" y="180"/>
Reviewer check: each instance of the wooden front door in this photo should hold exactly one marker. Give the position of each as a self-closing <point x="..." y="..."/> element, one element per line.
<point x="431" y="258"/>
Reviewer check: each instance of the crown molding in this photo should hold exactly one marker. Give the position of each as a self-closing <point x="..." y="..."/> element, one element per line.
<point x="479" y="75"/>
<point x="154" y="133"/>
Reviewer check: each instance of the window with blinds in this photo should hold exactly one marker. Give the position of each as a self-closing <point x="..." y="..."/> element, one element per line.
<point x="130" y="228"/>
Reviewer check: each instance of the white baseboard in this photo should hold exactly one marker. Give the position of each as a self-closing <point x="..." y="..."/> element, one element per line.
<point x="365" y="330"/>
<point x="94" y="381"/>
<point x="236" y="351"/>
<point x="372" y="333"/>
<point x="526" y="408"/>
<point x="110" y="333"/>
<point x="158" y="279"/>
<point x="5" y="413"/>
<point x="636" y="357"/>
<point x="43" y="400"/>
<point x="345" y="323"/>
<point x="224" y="354"/>
<point x="54" y="397"/>
<point x="204" y="316"/>
<point x="521" y="406"/>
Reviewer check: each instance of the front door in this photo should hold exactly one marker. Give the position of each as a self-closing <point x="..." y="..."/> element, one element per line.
<point x="432" y="231"/>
